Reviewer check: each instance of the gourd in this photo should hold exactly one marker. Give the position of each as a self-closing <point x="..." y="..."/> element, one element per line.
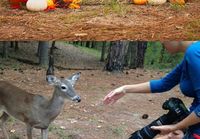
<point x="36" y="5"/>
<point x="181" y="2"/>
<point x="140" y="2"/>
<point x="156" y="2"/>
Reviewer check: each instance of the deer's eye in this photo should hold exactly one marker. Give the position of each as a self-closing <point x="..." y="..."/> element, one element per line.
<point x="63" y="87"/>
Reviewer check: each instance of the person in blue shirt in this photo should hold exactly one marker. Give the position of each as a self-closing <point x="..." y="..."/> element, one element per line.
<point x="187" y="75"/>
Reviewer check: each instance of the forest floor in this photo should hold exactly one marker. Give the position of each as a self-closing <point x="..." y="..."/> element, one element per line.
<point x="98" y="20"/>
<point x="89" y="119"/>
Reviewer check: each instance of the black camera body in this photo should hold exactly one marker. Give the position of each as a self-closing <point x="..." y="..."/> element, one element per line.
<point x="177" y="112"/>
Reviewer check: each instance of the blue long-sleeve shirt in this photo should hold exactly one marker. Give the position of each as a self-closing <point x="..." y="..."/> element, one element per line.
<point x="187" y="75"/>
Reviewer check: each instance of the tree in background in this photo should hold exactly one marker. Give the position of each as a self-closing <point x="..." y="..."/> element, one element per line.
<point x="157" y="57"/>
<point x="103" y="51"/>
<point x="120" y="53"/>
<point x="116" y="56"/>
<point x="141" y="48"/>
<point x="134" y="54"/>
<point x="131" y="57"/>
<point x="14" y="44"/>
<point x="6" y="45"/>
<point x="43" y="48"/>
<point x="5" y="49"/>
<point x="50" y="70"/>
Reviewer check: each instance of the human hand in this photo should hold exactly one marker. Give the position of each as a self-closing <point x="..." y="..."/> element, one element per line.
<point x="114" y="95"/>
<point x="165" y="129"/>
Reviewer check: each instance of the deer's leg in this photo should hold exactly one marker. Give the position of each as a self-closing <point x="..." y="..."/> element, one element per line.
<point x="44" y="133"/>
<point x="29" y="132"/>
<point x="3" y="119"/>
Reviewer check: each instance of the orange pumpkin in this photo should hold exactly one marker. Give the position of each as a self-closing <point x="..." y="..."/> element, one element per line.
<point x="181" y="2"/>
<point x="140" y="2"/>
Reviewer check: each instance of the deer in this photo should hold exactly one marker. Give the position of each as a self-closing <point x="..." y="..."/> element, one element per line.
<point x="35" y="110"/>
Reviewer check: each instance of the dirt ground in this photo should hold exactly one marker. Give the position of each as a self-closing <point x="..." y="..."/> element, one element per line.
<point x="89" y="119"/>
<point x="97" y="21"/>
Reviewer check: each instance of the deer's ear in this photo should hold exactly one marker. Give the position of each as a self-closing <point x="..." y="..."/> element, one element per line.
<point x="52" y="80"/>
<point x="72" y="79"/>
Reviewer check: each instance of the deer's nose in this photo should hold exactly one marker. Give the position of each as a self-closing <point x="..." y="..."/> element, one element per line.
<point x="77" y="99"/>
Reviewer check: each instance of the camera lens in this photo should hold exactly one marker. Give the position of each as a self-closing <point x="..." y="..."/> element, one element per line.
<point x="147" y="132"/>
<point x="177" y="112"/>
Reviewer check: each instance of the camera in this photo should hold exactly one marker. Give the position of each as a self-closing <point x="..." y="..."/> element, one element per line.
<point x="177" y="112"/>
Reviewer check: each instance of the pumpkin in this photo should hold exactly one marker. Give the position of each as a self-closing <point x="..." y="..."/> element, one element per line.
<point x="36" y="5"/>
<point x="156" y="2"/>
<point x="181" y="2"/>
<point x="140" y="2"/>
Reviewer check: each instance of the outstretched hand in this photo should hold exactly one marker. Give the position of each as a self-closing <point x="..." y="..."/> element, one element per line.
<point x="114" y="95"/>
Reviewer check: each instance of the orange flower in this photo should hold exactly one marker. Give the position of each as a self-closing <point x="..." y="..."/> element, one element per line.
<point x="51" y="4"/>
<point x="75" y="4"/>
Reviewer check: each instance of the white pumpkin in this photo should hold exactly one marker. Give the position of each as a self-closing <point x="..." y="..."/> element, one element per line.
<point x="36" y="5"/>
<point x="156" y="2"/>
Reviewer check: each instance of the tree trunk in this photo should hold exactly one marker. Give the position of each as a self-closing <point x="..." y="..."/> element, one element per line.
<point x="81" y="43"/>
<point x="74" y="42"/>
<point x="50" y="70"/>
<point x="103" y="49"/>
<point x="16" y="46"/>
<point x="93" y="44"/>
<point x="38" y="50"/>
<point x="141" y="47"/>
<point x="43" y="53"/>
<point x="116" y="55"/>
<point x="127" y="56"/>
<point x="53" y="44"/>
<point x="5" y="49"/>
<point x="162" y="54"/>
<point x="12" y="44"/>
<point x="133" y="55"/>
<point x="87" y="44"/>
